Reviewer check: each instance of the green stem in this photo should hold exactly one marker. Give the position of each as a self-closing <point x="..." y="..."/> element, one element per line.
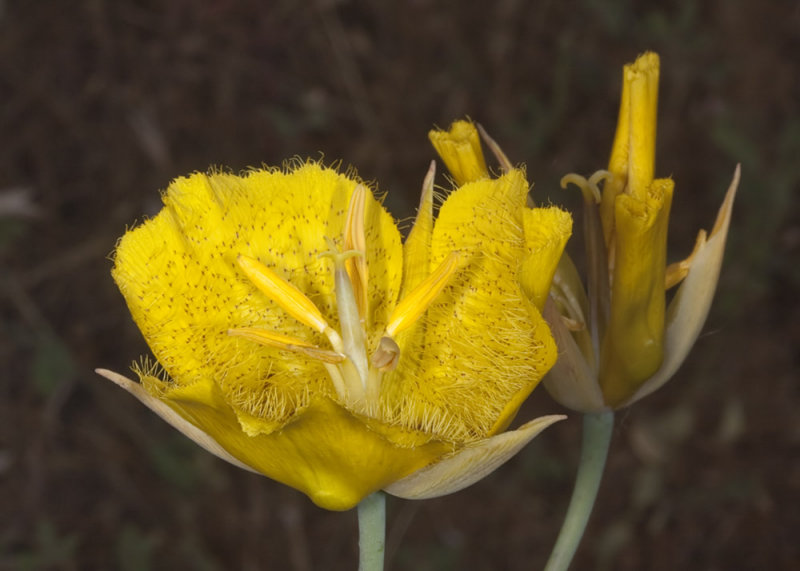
<point x="372" y="532"/>
<point x="597" y="428"/>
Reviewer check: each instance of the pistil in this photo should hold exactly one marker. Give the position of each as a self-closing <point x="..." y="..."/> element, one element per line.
<point x="352" y="330"/>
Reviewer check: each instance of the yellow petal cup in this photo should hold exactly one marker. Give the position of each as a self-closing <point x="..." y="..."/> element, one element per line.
<point x="619" y="341"/>
<point x="298" y="337"/>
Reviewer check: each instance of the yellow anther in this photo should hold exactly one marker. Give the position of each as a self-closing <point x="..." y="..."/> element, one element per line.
<point x="287" y="343"/>
<point x="292" y="300"/>
<point x="355" y="239"/>
<point x="417" y="301"/>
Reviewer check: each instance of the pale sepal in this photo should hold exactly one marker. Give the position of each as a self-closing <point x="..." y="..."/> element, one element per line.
<point x="571" y="382"/>
<point x="171" y="417"/>
<point x="469" y="464"/>
<point x="568" y="290"/>
<point x="689" y="308"/>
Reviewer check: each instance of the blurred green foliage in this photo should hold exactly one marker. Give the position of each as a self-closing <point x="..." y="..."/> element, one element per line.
<point x="49" y="550"/>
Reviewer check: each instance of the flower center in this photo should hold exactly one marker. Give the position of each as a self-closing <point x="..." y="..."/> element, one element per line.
<point x="355" y="377"/>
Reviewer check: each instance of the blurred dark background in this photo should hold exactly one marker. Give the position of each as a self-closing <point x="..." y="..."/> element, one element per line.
<point x="103" y="102"/>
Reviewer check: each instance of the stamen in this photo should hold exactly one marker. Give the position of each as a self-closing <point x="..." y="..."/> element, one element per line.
<point x="355" y="239"/>
<point x="287" y="343"/>
<point x="386" y="355"/>
<point x="417" y="301"/>
<point x="335" y="373"/>
<point x="679" y="270"/>
<point x="292" y="300"/>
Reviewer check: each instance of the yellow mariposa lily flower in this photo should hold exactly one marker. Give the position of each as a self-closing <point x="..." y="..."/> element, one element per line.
<point x="299" y="338"/>
<point x="619" y="341"/>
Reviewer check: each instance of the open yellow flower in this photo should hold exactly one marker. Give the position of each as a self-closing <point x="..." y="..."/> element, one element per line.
<point x="619" y="341"/>
<point x="298" y="337"/>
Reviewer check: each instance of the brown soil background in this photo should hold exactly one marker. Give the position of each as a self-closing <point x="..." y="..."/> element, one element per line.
<point x="102" y="103"/>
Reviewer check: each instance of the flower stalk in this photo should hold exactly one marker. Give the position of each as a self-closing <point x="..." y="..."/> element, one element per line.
<point x="372" y="532"/>
<point x="597" y="429"/>
<point x="618" y="338"/>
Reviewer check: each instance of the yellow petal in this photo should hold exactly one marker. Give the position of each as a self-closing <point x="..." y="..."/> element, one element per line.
<point x="546" y="233"/>
<point x="460" y="149"/>
<point x="470" y="464"/>
<point x="333" y="456"/>
<point x="179" y="275"/>
<point x="632" y="348"/>
<point x="689" y="308"/>
<point x="485" y="344"/>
